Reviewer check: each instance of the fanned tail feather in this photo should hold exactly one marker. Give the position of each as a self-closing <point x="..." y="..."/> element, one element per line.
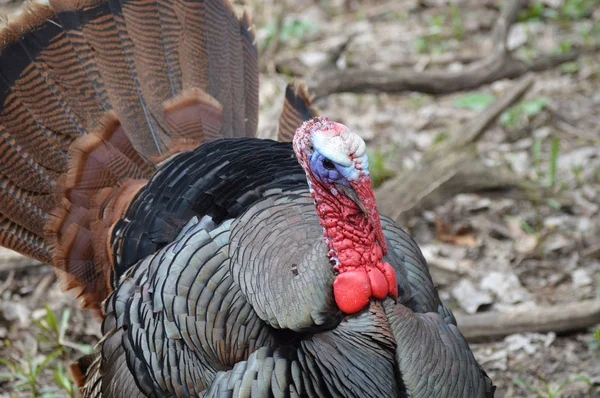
<point x="192" y="117"/>
<point x="297" y="108"/>
<point x="94" y="94"/>
<point x="105" y="173"/>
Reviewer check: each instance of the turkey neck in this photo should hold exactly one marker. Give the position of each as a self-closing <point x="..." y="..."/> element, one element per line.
<point x="348" y="233"/>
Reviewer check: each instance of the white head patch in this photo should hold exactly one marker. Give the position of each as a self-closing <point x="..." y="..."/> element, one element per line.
<point x="338" y="144"/>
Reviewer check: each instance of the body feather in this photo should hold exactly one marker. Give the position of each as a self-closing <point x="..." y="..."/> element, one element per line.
<point x="126" y="162"/>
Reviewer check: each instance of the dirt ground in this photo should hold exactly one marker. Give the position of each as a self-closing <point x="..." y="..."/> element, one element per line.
<point x="487" y="252"/>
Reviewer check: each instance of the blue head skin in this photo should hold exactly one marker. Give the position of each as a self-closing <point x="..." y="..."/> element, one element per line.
<point x="339" y="159"/>
<point x="327" y="171"/>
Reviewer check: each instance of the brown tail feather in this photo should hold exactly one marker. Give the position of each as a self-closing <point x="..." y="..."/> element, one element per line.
<point x="79" y="369"/>
<point x="67" y="171"/>
<point x="97" y="162"/>
<point x="194" y="72"/>
<point x="20" y="204"/>
<point x="297" y="108"/>
<point x="104" y="175"/>
<point x="18" y="238"/>
<point x="193" y="117"/>
<point x="250" y="71"/>
<point x="106" y="32"/>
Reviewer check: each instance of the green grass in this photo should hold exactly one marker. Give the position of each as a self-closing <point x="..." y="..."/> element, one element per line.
<point x="553" y="164"/>
<point x="576" y="9"/>
<point x="590" y="33"/>
<point x="24" y="372"/>
<point x="570" y="68"/>
<point x="568" y="10"/>
<point x="518" y="115"/>
<point x="474" y="101"/>
<point x="291" y="34"/>
<point x="377" y="166"/>
<point x="534" y="12"/>
<point x="536" y="156"/>
<point x="64" y="381"/>
<point x="433" y="42"/>
<point x="549" y="389"/>
<point x="52" y="332"/>
<point x="457" y="22"/>
<point x="54" y="348"/>
<point x="536" y="159"/>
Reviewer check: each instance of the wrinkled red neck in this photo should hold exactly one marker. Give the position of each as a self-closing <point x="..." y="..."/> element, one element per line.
<point x="350" y="237"/>
<point x="355" y="240"/>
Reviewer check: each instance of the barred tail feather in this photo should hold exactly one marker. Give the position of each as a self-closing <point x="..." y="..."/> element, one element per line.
<point x="94" y="94"/>
<point x="297" y="108"/>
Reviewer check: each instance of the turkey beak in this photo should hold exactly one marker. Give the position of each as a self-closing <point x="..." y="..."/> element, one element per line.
<point x="352" y="194"/>
<point x="361" y="193"/>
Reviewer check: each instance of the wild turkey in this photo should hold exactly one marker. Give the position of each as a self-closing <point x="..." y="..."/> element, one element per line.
<point x="127" y="163"/>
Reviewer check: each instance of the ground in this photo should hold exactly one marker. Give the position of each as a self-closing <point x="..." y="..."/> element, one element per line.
<point x="487" y="252"/>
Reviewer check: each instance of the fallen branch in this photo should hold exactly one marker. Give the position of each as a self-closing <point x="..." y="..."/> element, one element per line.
<point x="500" y="64"/>
<point x="561" y="318"/>
<point x="422" y="62"/>
<point x="453" y="168"/>
<point x="289" y="62"/>
<point x="475" y="128"/>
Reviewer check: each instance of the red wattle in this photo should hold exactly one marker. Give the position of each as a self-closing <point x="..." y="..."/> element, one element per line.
<point x="352" y="291"/>
<point x="390" y="276"/>
<point x="352" y="227"/>
<point x="379" y="284"/>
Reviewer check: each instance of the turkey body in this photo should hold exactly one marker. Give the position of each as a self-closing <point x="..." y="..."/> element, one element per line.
<point x="127" y="161"/>
<point x="239" y="303"/>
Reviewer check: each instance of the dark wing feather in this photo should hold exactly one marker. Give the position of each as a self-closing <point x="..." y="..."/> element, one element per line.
<point x="356" y="359"/>
<point x="433" y="357"/>
<point x="288" y="285"/>
<point x="417" y="290"/>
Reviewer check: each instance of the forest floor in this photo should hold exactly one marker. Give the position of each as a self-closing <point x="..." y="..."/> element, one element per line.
<point x="494" y="251"/>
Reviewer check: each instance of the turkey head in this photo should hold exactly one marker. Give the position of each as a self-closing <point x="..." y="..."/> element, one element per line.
<point x="337" y="170"/>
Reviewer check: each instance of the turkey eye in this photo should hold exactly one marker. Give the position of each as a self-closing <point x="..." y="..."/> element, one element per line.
<point x="328" y="164"/>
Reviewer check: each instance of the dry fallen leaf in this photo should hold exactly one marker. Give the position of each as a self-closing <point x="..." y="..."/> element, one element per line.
<point x="469" y="297"/>
<point x="524" y="243"/>
<point x="462" y="236"/>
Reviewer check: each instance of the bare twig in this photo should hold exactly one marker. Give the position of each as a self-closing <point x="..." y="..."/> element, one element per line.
<point x="486" y="71"/>
<point x="435" y="59"/>
<point x="592" y="251"/>
<point x="499" y="64"/>
<point x="335" y="53"/>
<point x="453" y="168"/>
<point x="507" y="17"/>
<point x="561" y="318"/>
<point x="45" y="282"/>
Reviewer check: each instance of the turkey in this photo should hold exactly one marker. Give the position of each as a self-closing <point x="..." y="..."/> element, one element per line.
<point x="222" y="265"/>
